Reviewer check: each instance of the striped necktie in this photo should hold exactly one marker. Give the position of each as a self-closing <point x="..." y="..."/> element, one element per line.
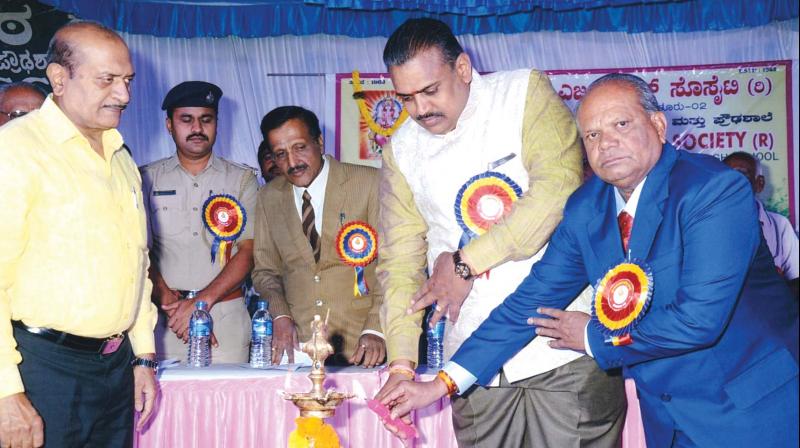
<point x="309" y="229"/>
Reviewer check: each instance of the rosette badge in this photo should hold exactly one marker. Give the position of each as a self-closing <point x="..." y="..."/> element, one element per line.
<point x="621" y="299"/>
<point x="482" y="201"/>
<point x="225" y="218"/>
<point x="357" y="246"/>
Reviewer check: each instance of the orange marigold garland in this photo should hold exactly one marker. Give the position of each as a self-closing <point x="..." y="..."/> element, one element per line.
<point x="312" y="432"/>
<point x="367" y="116"/>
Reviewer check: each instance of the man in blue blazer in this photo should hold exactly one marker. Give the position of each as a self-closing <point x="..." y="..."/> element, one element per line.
<point x="715" y="356"/>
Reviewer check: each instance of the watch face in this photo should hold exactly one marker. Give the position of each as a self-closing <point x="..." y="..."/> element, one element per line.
<point x="462" y="270"/>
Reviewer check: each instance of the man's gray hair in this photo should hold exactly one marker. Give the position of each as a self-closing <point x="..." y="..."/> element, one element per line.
<point x="61" y="50"/>
<point x="647" y="100"/>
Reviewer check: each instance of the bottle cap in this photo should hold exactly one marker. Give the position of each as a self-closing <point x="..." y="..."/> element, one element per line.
<point x="262" y="305"/>
<point x="200" y="305"/>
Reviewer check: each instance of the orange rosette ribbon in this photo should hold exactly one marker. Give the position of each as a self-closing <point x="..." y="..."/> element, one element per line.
<point x="225" y="218"/>
<point x="482" y="201"/>
<point x="621" y="299"/>
<point x="357" y="246"/>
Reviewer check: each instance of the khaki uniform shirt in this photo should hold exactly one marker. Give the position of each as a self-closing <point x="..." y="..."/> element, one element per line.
<point x="174" y="200"/>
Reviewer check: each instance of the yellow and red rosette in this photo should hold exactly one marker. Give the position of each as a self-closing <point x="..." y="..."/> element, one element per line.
<point x="482" y="201"/>
<point x="357" y="246"/>
<point x="313" y="432"/>
<point x="225" y="218"/>
<point x="621" y="299"/>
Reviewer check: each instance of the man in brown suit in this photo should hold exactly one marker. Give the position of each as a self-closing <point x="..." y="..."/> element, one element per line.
<point x="298" y="268"/>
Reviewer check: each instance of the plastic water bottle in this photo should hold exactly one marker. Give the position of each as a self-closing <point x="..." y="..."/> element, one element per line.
<point x="261" y="338"/>
<point x="436" y="345"/>
<point x="200" y="328"/>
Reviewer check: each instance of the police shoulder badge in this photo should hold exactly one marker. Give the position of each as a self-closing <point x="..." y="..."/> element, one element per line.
<point x="225" y="218"/>
<point x="357" y="246"/>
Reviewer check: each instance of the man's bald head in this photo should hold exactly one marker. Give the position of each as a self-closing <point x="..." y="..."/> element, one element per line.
<point x="18" y="99"/>
<point x="748" y="165"/>
<point x="90" y="71"/>
<point x="72" y="39"/>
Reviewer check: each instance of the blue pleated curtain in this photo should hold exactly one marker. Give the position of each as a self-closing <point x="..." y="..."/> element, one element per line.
<point x="266" y="54"/>
<point x="367" y="18"/>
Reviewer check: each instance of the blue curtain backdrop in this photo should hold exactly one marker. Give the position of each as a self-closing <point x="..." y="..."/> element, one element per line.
<point x="368" y="18"/>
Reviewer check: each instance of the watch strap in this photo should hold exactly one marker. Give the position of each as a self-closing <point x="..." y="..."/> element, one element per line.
<point x="145" y="363"/>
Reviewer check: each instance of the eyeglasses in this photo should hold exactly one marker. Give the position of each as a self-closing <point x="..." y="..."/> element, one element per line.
<point x="14" y="113"/>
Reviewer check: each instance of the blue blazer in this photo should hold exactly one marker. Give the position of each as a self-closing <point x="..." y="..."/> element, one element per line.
<point x="715" y="357"/>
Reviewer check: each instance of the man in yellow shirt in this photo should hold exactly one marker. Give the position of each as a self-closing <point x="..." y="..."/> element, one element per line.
<point x="75" y="310"/>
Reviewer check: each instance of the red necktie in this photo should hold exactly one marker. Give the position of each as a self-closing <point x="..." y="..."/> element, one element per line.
<point x="625" y="225"/>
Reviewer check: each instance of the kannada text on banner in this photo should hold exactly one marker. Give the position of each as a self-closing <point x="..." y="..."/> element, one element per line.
<point x="711" y="109"/>
<point x="26" y="27"/>
<point x="717" y="110"/>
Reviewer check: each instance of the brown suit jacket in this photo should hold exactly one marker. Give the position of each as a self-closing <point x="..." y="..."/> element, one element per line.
<point x="285" y="272"/>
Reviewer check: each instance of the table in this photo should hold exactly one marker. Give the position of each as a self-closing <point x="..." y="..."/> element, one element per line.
<point x="235" y="406"/>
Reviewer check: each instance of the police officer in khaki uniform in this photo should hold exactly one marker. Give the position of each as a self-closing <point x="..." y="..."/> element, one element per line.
<point x="201" y="231"/>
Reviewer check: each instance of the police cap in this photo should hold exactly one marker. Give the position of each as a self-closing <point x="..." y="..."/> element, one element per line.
<point x="192" y="94"/>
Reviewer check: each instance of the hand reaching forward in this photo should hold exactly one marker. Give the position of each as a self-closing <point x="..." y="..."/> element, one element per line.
<point x="444" y="288"/>
<point x="406" y="396"/>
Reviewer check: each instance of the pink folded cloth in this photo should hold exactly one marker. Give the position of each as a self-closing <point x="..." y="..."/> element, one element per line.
<point x="383" y="412"/>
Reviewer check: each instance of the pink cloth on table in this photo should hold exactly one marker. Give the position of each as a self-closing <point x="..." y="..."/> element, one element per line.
<point x="251" y="412"/>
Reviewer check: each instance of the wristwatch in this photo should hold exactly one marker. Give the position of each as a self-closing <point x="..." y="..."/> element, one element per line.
<point x="145" y="363"/>
<point x="462" y="269"/>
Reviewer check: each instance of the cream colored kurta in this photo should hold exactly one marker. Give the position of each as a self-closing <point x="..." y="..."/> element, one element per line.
<point x="508" y="113"/>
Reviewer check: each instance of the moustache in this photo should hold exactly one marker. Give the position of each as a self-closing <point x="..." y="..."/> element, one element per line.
<point x="296" y="168"/>
<point x="429" y="115"/>
<point x="191" y="136"/>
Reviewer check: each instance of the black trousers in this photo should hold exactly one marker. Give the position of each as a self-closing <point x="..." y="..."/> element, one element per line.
<point x="85" y="399"/>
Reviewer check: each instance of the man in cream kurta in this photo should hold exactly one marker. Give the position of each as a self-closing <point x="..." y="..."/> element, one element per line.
<point x="510" y="126"/>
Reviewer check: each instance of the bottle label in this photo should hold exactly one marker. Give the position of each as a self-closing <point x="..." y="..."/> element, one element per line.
<point x="269" y="328"/>
<point x="437" y="331"/>
<point x="199" y="329"/>
<point x="260" y="329"/>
